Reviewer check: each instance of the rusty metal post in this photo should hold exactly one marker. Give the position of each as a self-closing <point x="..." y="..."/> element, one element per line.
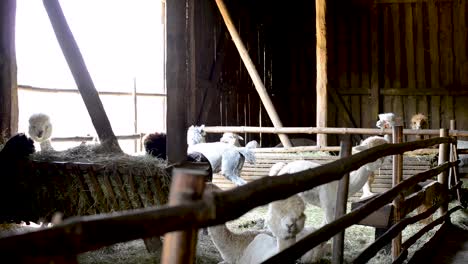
<point x="188" y="184"/>
<point x="396" y="179"/>
<point x="341" y="202"/>
<point x="443" y="177"/>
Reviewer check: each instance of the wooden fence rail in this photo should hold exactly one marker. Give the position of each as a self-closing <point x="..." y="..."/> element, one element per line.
<point x="328" y="130"/>
<point x="81" y="234"/>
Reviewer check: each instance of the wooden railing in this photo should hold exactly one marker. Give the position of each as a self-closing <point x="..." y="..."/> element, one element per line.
<point x="81" y="234"/>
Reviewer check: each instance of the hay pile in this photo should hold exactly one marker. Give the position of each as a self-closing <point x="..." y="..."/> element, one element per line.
<point x="85" y="180"/>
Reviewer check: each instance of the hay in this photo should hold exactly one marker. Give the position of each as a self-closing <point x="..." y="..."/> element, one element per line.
<point x="85" y="180"/>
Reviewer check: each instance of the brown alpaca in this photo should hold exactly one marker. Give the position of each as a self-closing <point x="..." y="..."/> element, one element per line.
<point x="419" y="121"/>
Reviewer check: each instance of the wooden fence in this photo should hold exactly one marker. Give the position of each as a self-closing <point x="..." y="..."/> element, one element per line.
<point x="81" y="234"/>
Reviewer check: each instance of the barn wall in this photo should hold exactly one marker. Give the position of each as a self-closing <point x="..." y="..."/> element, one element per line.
<point x="398" y="55"/>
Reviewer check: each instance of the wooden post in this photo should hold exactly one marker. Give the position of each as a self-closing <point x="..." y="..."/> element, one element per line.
<point x="269" y="107"/>
<point x="322" y="67"/>
<point x="397" y="178"/>
<point x="8" y="81"/>
<point x="443" y="157"/>
<point x="341" y="202"/>
<point x="188" y="184"/>
<point x="375" y="90"/>
<point x="176" y="80"/>
<point x="82" y="77"/>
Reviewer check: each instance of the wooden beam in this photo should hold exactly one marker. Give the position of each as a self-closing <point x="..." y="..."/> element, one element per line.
<point x="330" y="130"/>
<point x="341" y="201"/>
<point x="177" y="80"/>
<point x="321" y="16"/>
<point x="8" y="75"/>
<point x="82" y="77"/>
<point x="442" y="178"/>
<point x="397" y="177"/>
<point x="374" y="92"/>
<point x="440" y="91"/>
<point x="187" y="186"/>
<point x="258" y="83"/>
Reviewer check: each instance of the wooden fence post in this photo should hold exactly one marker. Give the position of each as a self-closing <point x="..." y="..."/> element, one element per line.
<point x="397" y="178"/>
<point x="188" y="184"/>
<point x="341" y="202"/>
<point x="443" y="177"/>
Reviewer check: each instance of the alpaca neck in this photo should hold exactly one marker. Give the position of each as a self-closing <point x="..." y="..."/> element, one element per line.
<point x="45" y="145"/>
<point x="357" y="179"/>
<point x="284" y="243"/>
<point x="230" y="245"/>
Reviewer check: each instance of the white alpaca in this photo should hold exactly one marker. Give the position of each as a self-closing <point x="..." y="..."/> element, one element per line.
<point x="231" y="138"/>
<point x="324" y="195"/>
<point x="40" y="130"/>
<point x="226" y="158"/>
<point x="285" y="219"/>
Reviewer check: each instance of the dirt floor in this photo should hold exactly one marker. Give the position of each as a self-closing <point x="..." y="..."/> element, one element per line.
<point x="356" y="239"/>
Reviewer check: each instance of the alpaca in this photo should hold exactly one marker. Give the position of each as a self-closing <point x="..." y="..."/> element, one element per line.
<point x="223" y="157"/>
<point x="40" y="130"/>
<point x="419" y="121"/>
<point x="324" y="195"/>
<point x="14" y="202"/>
<point x="386" y="120"/>
<point x="155" y="145"/>
<point x="285" y="220"/>
<point x="231" y="138"/>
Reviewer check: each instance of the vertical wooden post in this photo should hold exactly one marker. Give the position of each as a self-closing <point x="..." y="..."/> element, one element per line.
<point x="341" y="202"/>
<point x="375" y="90"/>
<point x="188" y="184"/>
<point x="452" y="157"/>
<point x="322" y="67"/>
<point x="269" y="107"/>
<point x="442" y="178"/>
<point x="8" y="81"/>
<point x="176" y="80"/>
<point x="81" y="75"/>
<point x="397" y="178"/>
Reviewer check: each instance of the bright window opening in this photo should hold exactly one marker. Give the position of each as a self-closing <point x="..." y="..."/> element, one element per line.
<point x="122" y="42"/>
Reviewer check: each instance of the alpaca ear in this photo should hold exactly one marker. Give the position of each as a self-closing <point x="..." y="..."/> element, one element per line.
<point x="202" y="126"/>
<point x="239" y="137"/>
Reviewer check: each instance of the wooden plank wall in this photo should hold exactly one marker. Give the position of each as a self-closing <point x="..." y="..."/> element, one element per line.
<point x="404" y="56"/>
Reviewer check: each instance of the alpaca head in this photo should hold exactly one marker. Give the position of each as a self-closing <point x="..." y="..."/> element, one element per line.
<point x="368" y="143"/>
<point x="231" y="138"/>
<point x="155" y="144"/>
<point x="286" y="218"/>
<point x="40" y="128"/>
<point x="419" y="121"/>
<point x="386" y="120"/>
<point x="196" y="134"/>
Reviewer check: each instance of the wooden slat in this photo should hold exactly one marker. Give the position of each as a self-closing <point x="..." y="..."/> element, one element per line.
<point x="435" y="112"/>
<point x="433" y="19"/>
<point x="446" y="44"/>
<point x="409" y="46"/>
<point x="387" y="46"/>
<point x="419" y="44"/>
<point x="461" y="37"/>
<point x="395" y="11"/>
<point x="375" y="94"/>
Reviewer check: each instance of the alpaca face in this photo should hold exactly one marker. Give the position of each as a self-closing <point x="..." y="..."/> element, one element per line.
<point x="386" y="120"/>
<point x="285" y="218"/>
<point x="40" y="128"/>
<point x="419" y="121"/>
<point x="196" y="135"/>
<point x="231" y="139"/>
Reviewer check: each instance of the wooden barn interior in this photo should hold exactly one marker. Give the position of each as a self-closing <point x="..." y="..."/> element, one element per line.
<point x="262" y="64"/>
